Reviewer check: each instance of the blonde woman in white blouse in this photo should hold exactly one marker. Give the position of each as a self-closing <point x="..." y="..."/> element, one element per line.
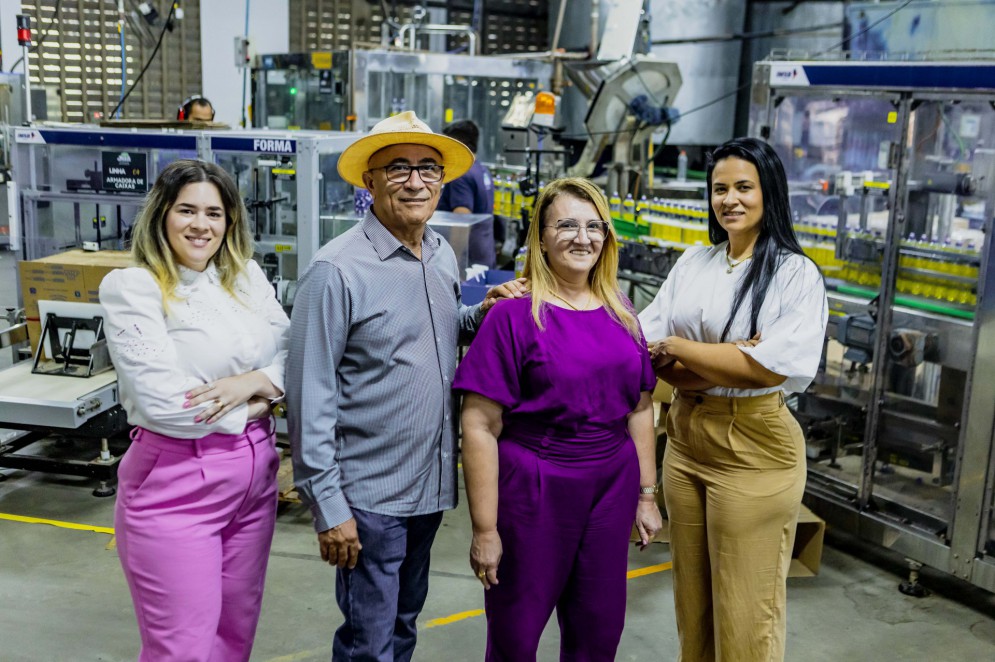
<point x="198" y="341"/>
<point x="738" y="325"/>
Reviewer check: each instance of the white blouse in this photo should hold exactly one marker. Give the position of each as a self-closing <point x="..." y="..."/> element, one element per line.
<point x="204" y="335"/>
<point x="697" y="297"/>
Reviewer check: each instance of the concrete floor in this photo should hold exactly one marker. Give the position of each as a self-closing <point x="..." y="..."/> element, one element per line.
<point x="63" y="597"/>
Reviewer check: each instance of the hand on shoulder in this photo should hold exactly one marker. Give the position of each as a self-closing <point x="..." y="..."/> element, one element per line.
<point x="512" y="289"/>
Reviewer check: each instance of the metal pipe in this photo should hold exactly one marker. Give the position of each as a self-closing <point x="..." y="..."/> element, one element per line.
<point x="559" y="26"/>
<point x="545" y="55"/>
<point x="412" y="30"/>
<point x="595" y="28"/>
<point x="14" y="335"/>
<point x="27" y="85"/>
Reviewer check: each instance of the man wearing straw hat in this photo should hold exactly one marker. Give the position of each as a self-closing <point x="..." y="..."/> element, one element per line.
<point x="376" y="322"/>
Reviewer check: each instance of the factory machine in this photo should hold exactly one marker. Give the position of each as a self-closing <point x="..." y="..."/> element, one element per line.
<point x="353" y="90"/>
<point x="891" y="168"/>
<point x="82" y="187"/>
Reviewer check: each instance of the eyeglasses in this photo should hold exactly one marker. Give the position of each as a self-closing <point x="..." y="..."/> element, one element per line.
<point x="399" y="173"/>
<point x="568" y="229"/>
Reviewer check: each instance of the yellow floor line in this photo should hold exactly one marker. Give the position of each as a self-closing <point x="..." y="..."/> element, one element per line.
<point x="648" y="570"/>
<point x="446" y="620"/>
<point x="61" y="525"/>
<point x="303" y="655"/>
<point x="462" y="616"/>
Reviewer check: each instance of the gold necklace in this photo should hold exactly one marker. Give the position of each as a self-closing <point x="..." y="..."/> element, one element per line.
<point x="732" y="264"/>
<point x="586" y="305"/>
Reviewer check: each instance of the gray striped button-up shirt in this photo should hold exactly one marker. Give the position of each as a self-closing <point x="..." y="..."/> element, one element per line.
<point x="372" y="355"/>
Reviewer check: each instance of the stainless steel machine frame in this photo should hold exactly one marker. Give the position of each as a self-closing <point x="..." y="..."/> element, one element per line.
<point x="12" y="111"/>
<point x="67" y="198"/>
<point x="58" y="177"/>
<point x="439" y="87"/>
<point x="288" y="179"/>
<point x="918" y="114"/>
<point x="300" y="190"/>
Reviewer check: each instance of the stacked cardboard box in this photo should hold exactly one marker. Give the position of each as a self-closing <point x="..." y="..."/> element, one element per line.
<point x="71" y="276"/>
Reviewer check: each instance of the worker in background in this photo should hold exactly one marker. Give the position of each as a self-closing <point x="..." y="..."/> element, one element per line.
<point x="473" y="193"/>
<point x="195" y="109"/>
<point x="559" y="449"/>
<point x="734" y="468"/>
<point x="372" y="417"/>
<point x="198" y="341"/>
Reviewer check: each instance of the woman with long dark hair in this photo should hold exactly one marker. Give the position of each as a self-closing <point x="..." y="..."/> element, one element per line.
<point x="739" y="324"/>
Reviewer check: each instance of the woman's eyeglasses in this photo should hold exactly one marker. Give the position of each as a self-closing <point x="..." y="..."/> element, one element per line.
<point x="568" y="229"/>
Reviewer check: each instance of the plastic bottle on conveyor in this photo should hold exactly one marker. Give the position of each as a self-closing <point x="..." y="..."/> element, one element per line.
<point x="520" y="258"/>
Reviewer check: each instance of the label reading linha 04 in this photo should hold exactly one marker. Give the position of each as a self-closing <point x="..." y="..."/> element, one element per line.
<point x="125" y="171"/>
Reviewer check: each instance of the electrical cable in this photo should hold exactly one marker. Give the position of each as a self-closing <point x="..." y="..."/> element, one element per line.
<point x="745" y="36"/>
<point x="124" y="59"/>
<point x="867" y="29"/>
<point x="155" y="51"/>
<point x="245" y="68"/>
<point x="820" y="53"/>
<point x="44" y="35"/>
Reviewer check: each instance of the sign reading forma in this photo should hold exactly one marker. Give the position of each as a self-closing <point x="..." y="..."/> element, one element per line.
<point x="272" y="145"/>
<point x="125" y="171"/>
<point x="259" y="145"/>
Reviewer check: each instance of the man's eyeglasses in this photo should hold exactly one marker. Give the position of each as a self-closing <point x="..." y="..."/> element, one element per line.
<point x="568" y="229"/>
<point x="399" y="173"/>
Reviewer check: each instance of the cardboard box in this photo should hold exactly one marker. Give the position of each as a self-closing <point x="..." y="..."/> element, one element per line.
<point x="71" y="276"/>
<point x="806" y="557"/>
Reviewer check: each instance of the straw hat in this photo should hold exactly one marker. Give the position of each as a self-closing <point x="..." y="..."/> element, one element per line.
<point x="403" y="128"/>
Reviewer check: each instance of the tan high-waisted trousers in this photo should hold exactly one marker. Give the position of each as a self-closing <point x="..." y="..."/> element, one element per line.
<point x="733" y="478"/>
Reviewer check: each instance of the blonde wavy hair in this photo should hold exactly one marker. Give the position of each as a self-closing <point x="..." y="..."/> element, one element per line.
<point x="150" y="244"/>
<point x="603" y="277"/>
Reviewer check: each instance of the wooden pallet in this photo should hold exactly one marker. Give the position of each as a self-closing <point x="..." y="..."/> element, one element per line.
<point x="285" y="480"/>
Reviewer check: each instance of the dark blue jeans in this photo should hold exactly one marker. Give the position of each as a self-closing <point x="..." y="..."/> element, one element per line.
<point x="382" y="596"/>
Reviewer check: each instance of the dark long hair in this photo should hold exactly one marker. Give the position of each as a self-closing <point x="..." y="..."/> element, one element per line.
<point x="776" y="240"/>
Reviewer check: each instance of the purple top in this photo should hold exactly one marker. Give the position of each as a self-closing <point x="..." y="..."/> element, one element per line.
<point x="567" y="390"/>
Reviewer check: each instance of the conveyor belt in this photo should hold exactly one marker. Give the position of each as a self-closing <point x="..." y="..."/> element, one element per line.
<point x="55" y="401"/>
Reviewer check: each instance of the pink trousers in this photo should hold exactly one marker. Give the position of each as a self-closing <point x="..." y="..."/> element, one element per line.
<point x="194" y="521"/>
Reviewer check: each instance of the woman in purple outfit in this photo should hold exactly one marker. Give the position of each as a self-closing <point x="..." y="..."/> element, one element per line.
<point x="558" y="439"/>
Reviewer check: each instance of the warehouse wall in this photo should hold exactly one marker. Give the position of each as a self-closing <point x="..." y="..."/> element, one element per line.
<point x="221" y="22"/>
<point x="708" y="70"/>
<point x="8" y="33"/>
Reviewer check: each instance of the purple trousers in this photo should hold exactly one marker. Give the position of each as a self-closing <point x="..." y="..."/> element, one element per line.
<point x="194" y="521"/>
<point x="564" y="527"/>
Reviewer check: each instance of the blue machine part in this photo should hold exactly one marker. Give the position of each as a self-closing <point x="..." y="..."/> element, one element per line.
<point x="904" y="75"/>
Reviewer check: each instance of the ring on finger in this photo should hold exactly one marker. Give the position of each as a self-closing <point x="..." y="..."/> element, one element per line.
<point x="481" y="573"/>
<point x="220" y="404"/>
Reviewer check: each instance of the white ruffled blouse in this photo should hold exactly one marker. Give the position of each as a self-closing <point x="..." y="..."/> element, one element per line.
<point x="205" y="335"/>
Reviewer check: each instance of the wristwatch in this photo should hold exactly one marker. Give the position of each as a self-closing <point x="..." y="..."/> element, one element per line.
<point x="653" y="489"/>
